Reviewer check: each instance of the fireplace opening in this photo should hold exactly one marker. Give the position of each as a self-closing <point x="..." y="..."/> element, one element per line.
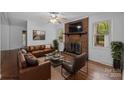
<point x="73" y="47"/>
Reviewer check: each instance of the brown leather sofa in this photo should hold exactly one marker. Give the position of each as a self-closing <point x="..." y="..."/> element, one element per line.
<point x="42" y="71"/>
<point x="39" y="50"/>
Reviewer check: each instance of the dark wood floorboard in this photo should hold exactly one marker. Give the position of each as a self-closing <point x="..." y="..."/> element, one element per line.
<point x="9" y="67"/>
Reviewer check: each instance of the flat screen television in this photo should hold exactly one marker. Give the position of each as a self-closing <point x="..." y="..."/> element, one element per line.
<point x="75" y="27"/>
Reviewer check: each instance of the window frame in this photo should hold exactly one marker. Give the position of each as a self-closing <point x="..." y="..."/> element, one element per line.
<point x="95" y="44"/>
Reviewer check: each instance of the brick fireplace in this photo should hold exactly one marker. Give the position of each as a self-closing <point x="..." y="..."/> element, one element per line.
<point x="76" y="41"/>
<point x="73" y="47"/>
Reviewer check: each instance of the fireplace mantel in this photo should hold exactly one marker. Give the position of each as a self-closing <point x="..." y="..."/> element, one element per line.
<point x="77" y="33"/>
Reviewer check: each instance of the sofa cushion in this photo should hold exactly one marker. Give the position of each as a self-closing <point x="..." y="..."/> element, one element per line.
<point x="28" y="49"/>
<point x="42" y="47"/>
<point x="47" y="50"/>
<point x="38" y="53"/>
<point x="22" y="61"/>
<point x="35" y="52"/>
<point x="31" y="48"/>
<point x="37" y="47"/>
<point x="31" y="61"/>
<point x="30" y="55"/>
<point x="23" y="51"/>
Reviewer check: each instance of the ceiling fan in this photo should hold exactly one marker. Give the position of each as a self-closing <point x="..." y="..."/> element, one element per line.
<point x="57" y="18"/>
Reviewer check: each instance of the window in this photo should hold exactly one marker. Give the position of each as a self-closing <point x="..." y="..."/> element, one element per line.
<point x="99" y="40"/>
<point x="101" y="30"/>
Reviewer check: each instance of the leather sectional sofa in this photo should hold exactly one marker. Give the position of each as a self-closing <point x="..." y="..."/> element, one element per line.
<point x="39" y="50"/>
<point x="42" y="71"/>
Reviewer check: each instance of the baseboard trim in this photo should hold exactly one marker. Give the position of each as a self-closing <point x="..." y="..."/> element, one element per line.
<point x="100" y="63"/>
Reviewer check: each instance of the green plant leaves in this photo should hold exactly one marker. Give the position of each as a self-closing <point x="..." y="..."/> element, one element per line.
<point x="55" y="43"/>
<point x="103" y="28"/>
<point x="116" y="48"/>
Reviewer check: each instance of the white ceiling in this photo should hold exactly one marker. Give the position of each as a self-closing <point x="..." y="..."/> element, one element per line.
<point x="43" y="17"/>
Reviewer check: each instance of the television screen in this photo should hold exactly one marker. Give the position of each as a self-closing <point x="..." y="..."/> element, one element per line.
<point x="76" y="27"/>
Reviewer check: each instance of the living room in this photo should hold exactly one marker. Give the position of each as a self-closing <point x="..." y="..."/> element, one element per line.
<point x="18" y="31"/>
<point x="61" y="46"/>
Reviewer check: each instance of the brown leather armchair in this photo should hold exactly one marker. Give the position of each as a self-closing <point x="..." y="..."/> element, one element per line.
<point x="74" y="65"/>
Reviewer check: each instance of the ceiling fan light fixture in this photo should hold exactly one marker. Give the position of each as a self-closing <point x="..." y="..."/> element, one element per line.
<point x="53" y="16"/>
<point x="53" y="20"/>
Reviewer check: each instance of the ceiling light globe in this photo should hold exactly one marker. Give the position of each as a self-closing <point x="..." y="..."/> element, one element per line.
<point x="53" y="21"/>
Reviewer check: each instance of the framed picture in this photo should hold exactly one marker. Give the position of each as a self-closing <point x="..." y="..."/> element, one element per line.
<point x="38" y="35"/>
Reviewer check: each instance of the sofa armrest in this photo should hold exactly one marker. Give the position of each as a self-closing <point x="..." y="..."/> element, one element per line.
<point x="40" y="72"/>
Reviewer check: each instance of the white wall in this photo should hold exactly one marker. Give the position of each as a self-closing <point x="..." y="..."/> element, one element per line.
<point x="49" y="30"/>
<point x="103" y="55"/>
<point x="4" y="32"/>
<point x="11" y="37"/>
<point x="16" y="37"/>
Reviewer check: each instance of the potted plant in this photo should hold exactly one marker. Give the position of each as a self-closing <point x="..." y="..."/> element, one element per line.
<point x="117" y="49"/>
<point x="55" y="44"/>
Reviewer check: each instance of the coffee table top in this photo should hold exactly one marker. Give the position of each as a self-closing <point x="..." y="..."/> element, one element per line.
<point x="55" y="58"/>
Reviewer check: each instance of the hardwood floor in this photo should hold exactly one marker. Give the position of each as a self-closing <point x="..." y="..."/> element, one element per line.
<point x="9" y="67"/>
<point x="96" y="71"/>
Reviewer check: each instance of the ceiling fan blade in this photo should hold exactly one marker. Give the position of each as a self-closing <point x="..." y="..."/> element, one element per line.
<point x="59" y="17"/>
<point x="59" y="22"/>
<point x="64" y="19"/>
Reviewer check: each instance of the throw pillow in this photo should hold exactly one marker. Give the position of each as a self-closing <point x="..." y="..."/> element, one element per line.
<point x="23" y="51"/>
<point x="31" y="61"/>
<point x="42" y="47"/>
<point x="22" y="61"/>
<point x="37" y="47"/>
<point x="31" y="48"/>
<point x="48" y="46"/>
